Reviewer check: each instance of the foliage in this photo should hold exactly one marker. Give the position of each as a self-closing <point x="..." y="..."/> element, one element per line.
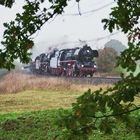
<point x="42" y="125"/>
<point x="107" y="59"/>
<point x="125" y="16"/>
<point x="116" y="102"/>
<point x="18" y="34"/>
<point x="38" y="125"/>
<point x="99" y="110"/>
<point x="7" y="3"/>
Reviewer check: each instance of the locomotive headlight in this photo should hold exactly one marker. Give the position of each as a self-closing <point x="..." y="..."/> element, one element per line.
<point x="82" y="66"/>
<point x="95" y="66"/>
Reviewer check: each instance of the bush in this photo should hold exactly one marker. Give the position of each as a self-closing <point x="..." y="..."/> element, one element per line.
<point x="107" y="59"/>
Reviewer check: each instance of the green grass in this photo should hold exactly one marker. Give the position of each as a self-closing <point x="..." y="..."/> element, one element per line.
<point x="38" y="125"/>
<point x="41" y="125"/>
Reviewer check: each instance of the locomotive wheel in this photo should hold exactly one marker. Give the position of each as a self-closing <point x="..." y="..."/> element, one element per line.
<point x="81" y="74"/>
<point x="70" y="72"/>
<point x="63" y="73"/>
<point x="91" y="75"/>
<point x="76" y="74"/>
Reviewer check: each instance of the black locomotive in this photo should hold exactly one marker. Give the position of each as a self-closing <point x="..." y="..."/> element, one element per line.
<point x="67" y="62"/>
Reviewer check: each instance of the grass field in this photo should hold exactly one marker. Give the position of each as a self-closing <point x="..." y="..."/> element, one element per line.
<point x="29" y="108"/>
<point x="21" y="92"/>
<point x="37" y="100"/>
<point x="42" y="125"/>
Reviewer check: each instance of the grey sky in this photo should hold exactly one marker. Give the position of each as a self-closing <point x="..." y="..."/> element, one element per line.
<point x="66" y="28"/>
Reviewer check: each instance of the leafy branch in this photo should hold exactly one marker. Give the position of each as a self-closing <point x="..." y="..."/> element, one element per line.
<point x="7" y="3"/>
<point x="18" y="34"/>
<point x="117" y="114"/>
<point x="116" y="102"/>
<point x="119" y="99"/>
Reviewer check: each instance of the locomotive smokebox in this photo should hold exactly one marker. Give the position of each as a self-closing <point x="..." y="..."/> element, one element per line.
<point x="95" y="53"/>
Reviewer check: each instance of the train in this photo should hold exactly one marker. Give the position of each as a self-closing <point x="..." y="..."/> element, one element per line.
<point x="79" y="61"/>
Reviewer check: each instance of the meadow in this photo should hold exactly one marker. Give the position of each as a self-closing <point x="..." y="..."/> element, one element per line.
<point x="30" y="107"/>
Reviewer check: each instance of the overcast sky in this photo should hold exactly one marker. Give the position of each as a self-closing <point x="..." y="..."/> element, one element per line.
<point x="70" y="27"/>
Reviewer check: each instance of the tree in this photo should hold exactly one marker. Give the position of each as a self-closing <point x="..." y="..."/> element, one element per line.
<point x="115" y="44"/>
<point x="7" y="3"/>
<point x="18" y="34"/>
<point x="107" y="59"/>
<point x="115" y="102"/>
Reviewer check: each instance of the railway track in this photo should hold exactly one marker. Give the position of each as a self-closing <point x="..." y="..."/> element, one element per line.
<point x="92" y="80"/>
<point x="95" y="80"/>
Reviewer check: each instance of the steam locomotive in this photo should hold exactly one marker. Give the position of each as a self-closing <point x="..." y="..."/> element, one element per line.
<point x="66" y="62"/>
